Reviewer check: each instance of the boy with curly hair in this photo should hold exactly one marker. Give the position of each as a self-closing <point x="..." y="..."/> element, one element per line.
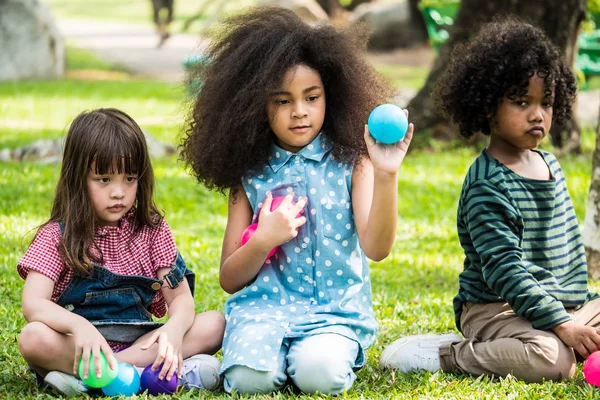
<point x="523" y="304"/>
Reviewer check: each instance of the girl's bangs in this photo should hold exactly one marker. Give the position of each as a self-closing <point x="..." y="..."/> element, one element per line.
<point x="121" y="154"/>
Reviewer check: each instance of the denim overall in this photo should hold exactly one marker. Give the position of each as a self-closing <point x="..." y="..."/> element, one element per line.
<point x="119" y="305"/>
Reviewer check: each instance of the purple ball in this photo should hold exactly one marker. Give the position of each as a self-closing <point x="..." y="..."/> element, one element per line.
<point x="149" y="381"/>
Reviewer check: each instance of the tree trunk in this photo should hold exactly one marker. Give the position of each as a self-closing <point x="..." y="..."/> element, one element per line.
<point x="560" y="19"/>
<point x="591" y="225"/>
<point x="333" y="8"/>
<point x="416" y="17"/>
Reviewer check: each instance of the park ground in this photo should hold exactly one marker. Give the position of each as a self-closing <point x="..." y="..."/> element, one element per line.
<point x="412" y="288"/>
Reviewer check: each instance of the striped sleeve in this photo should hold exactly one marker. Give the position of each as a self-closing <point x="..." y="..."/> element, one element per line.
<point x="495" y="227"/>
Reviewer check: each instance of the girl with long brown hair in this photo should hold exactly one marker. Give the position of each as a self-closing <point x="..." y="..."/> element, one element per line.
<point x="105" y="263"/>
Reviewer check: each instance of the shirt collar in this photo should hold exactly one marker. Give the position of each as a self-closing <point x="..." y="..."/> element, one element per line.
<point x="124" y="223"/>
<point x="315" y="151"/>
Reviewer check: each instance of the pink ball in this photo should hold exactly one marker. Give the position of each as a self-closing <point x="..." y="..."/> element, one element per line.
<point x="277" y="202"/>
<point x="249" y="231"/>
<point x="591" y="369"/>
<point x="247" y="234"/>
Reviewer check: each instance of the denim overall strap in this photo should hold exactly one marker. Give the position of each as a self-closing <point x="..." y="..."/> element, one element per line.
<point x="178" y="273"/>
<point x="175" y="276"/>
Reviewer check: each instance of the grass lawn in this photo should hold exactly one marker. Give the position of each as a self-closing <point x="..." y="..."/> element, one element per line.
<point x="404" y="76"/>
<point x="412" y="289"/>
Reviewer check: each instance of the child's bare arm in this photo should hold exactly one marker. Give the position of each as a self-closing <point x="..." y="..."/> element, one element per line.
<point x="240" y="264"/>
<point x="169" y="337"/>
<point x="375" y="211"/>
<point x="37" y="307"/>
<point x="375" y="195"/>
<point x="237" y="271"/>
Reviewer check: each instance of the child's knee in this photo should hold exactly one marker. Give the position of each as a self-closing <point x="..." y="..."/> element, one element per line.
<point x="321" y="373"/>
<point x="33" y="338"/>
<point x="550" y="361"/>
<point x="209" y="328"/>
<point x="214" y="323"/>
<point x="247" y="380"/>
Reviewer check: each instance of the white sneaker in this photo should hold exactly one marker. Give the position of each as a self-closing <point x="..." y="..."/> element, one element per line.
<point x="66" y="384"/>
<point x="416" y="352"/>
<point x="201" y="372"/>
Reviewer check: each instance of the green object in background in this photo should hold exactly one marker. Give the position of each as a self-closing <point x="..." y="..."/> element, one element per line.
<point x="587" y="62"/>
<point x="439" y="17"/>
<point x="106" y="377"/>
<point x="194" y="66"/>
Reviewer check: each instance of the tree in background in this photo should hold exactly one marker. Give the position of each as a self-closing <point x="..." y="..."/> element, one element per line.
<point x="560" y="19"/>
<point x="591" y="225"/>
<point x="333" y="8"/>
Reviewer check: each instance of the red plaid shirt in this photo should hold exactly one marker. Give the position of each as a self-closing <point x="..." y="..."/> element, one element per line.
<point x="149" y="250"/>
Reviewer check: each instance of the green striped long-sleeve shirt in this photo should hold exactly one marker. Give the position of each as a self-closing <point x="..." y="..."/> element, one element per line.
<point x="522" y="243"/>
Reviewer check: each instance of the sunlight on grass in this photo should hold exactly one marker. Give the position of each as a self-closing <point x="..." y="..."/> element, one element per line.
<point x="79" y="59"/>
<point x="404" y="76"/>
<point x="44" y="109"/>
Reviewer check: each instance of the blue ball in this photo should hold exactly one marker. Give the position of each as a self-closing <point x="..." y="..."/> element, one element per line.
<point x="127" y="382"/>
<point x="388" y="123"/>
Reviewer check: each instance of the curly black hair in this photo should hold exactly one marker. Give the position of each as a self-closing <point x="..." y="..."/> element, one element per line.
<point x="499" y="62"/>
<point x="228" y="135"/>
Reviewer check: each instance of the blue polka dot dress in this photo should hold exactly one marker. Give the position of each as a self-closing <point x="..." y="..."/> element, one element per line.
<point x="317" y="282"/>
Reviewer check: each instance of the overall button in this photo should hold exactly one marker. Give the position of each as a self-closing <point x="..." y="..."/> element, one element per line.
<point x="69" y="307"/>
<point x="156" y="286"/>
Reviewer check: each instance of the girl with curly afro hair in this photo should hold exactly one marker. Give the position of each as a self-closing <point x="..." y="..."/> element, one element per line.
<point x="523" y="303"/>
<point x="280" y="122"/>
